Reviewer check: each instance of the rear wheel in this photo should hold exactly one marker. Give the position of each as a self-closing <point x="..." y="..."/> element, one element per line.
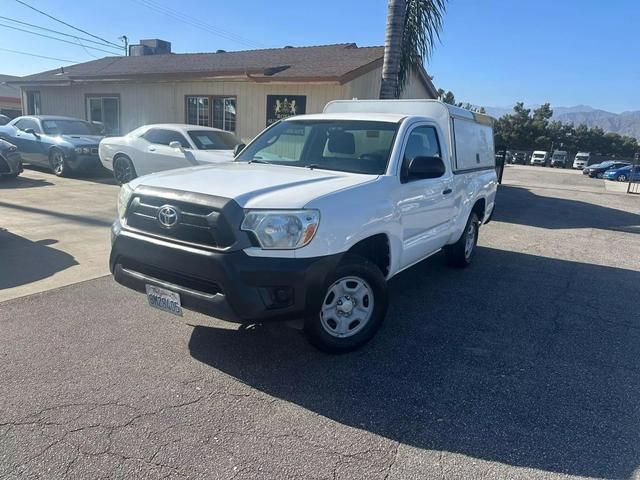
<point x="59" y="163"/>
<point x="461" y="253"/>
<point x="353" y="307"/>
<point x="123" y="170"/>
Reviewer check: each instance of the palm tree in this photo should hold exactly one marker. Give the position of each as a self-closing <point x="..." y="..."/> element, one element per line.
<point x="413" y="26"/>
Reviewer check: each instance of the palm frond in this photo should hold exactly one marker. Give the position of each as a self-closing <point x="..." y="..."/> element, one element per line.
<point x="422" y="27"/>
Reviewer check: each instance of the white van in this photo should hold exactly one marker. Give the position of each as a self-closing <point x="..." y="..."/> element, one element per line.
<point x="539" y="157"/>
<point x="582" y="160"/>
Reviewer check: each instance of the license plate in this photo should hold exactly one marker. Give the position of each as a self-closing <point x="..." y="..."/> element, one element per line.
<point x="164" y="299"/>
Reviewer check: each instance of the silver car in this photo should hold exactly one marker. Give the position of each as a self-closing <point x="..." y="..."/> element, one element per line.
<point x="10" y="160"/>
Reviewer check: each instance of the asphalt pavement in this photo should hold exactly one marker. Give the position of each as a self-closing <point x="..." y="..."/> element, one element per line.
<point x="525" y="365"/>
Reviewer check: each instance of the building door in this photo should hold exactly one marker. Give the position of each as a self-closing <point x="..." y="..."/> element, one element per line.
<point x="34" y="106"/>
<point x="105" y="110"/>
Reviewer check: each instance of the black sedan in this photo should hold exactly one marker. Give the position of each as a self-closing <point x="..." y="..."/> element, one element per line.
<point x="62" y="144"/>
<point x="10" y="161"/>
<point x="597" y="171"/>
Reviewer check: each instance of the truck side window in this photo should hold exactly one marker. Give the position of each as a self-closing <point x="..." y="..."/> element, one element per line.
<point x="423" y="141"/>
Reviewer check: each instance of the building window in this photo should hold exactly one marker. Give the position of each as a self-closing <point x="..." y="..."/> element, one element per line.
<point x="106" y="111"/>
<point x="34" y="107"/>
<point x="211" y="111"/>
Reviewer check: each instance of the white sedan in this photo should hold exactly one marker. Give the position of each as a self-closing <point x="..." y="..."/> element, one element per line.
<point x="154" y="148"/>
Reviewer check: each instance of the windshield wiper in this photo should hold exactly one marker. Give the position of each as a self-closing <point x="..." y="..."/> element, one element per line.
<point x="311" y="166"/>
<point x="257" y="160"/>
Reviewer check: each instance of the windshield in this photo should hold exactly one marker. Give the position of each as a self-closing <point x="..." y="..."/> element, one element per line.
<point x="558" y="156"/>
<point x="344" y="145"/>
<point x="210" y="140"/>
<point x="606" y="164"/>
<point x="68" y="127"/>
<point x="538" y="155"/>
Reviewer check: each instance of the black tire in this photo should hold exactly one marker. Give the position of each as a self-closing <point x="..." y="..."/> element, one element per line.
<point x="320" y="336"/>
<point x="458" y="255"/>
<point x="599" y="175"/>
<point x="59" y="164"/>
<point x="622" y="177"/>
<point x="123" y="169"/>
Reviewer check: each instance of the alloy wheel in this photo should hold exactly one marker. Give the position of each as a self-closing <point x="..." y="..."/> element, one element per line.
<point x="123" y="171"/>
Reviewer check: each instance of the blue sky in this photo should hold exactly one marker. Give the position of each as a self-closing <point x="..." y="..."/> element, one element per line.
<point x="493" y="52"/>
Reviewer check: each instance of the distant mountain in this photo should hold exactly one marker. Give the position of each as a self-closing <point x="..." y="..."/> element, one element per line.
<point x="625" y="123"/>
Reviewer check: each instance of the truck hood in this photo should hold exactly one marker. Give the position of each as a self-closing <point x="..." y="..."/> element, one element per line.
<point x="255" y="185"/>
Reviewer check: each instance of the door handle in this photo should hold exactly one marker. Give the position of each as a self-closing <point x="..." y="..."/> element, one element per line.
<point x="447" y="191"/>
<point x="151" y="149"/>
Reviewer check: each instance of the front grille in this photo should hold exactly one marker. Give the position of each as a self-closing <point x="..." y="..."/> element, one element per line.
<point x="198" y="224"/>
<point x="4" y="166"/>
<point x="186" y="281"/>
<point x="94" y="151"/>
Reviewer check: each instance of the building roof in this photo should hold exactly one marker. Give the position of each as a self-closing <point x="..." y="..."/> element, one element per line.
<point x="336" y="63"/>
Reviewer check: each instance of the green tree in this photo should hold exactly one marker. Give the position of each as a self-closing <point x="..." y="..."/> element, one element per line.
<point x="413" y="26"/>
<point x="447" y="97"/>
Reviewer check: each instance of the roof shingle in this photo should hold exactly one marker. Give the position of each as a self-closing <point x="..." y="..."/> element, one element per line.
<point x="331" y="62"/>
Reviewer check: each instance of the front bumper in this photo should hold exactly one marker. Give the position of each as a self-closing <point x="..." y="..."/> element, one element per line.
<point x="231" y="286"/>
<point x="82" y="162"/>
<point x="10" y="163"/>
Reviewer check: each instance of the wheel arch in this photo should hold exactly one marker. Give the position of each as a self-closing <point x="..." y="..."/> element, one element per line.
<point x="375" y="248"/>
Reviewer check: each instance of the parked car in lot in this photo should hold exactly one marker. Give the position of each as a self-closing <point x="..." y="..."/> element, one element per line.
<point x="622" y="174"/>
<point x="312" y="218"/>
<point x="63" y="144"/>
<point x="519" y="157"/>
<point x="155" y="148"/>
<point x="581" y="160"/>
<point x="597" y="171"/>
<point x="559" y="159"/>
<point x="539" y="157"/>
<point x="10" y="161"/>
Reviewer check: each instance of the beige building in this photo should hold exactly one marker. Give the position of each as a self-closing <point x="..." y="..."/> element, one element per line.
<point x="241" y="92"/>
<point x="10" y="105"/>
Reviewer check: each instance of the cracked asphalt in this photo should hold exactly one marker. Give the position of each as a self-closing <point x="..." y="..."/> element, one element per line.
<point x="524" y="366"/>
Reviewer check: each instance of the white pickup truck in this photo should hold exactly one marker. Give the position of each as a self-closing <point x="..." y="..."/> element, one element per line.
<point x="312" y="218"/>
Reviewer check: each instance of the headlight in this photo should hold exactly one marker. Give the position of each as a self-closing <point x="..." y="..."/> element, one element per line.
<point x="86" y="150"/>
<point x="123" y="199"/>
<point x="282" y="229"/>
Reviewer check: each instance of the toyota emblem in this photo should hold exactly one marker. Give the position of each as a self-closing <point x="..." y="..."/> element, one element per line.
<point x="168" y="216"/>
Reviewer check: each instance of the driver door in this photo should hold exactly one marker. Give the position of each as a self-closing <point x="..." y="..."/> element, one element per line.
<point x="157" y="155"/>
<point x="31" y="147"/>
<point x="425" y="206"/>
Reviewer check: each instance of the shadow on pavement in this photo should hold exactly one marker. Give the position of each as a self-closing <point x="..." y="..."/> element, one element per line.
<point x="95" y="175"/>
<point x="529" y="372"/>
<point x="527" y="208"/>
<point x="22" y="182"/>
<point x="57" y="214"/>
<point x="23" y="261"/>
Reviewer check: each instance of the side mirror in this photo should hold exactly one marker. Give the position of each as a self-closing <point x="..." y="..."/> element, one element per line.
<point x="31" y="131"/>
<point x="238" y="148"/>
<point x="175" y="144"/>
<point x="425" y="167"/>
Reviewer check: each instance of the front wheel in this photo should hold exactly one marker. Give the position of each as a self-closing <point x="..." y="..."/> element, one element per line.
<point x="59" y="163"/>
<point x="353" y="307"/>
<point x="123" y="170"/>
<point x="461" y="253"/>
<point x="599" y="175"/>
<point x="622" y="178"/>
